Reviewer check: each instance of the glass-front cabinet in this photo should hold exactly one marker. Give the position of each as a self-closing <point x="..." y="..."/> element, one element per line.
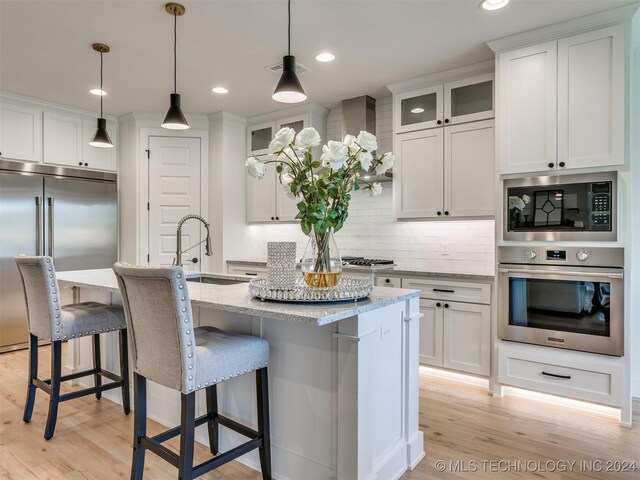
<point x="259" y="137"/>
<point x="467" y="100"/>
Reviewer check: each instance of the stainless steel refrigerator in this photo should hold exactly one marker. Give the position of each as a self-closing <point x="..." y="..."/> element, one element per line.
<point x="66" y="213"/>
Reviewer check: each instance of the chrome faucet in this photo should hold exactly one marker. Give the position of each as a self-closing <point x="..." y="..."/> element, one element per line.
<point x="206" y="241"/>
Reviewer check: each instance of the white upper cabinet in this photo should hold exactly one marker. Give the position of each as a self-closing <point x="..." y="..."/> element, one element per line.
<point x="591" y="99"/>
<point x="62" y="139"/>
<point x="561" y="104"/>
<point x="96" y="157"/>
<point x="418" y="174"/>
<point x="261" y="196"/>
<point x="286" y="207"/>
<point x="469" y="169"/>
<point x="468" y="100"/>
<point x="419" y="109"/>
<point x="259" y="137"/>
<point x="20" y="132"/>
<point x="526" y="118"/>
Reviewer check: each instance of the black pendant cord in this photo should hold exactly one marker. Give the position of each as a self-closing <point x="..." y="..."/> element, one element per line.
<point x="175" y="51"/>
<point x="289" y="30"/>
<point x="101" y="90"/>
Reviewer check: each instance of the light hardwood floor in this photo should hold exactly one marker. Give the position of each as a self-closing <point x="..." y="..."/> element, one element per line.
<point x="461" y="423"/>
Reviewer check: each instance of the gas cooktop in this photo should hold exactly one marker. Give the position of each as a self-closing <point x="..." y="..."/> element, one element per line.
<point x="364" y="262"/>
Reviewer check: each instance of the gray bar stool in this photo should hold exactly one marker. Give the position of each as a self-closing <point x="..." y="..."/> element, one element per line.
<point x="168" y="350"/>
<point x="50" y="321"/>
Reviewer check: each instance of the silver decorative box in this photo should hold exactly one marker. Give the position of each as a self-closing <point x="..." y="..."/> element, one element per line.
<point x="281" y="265"/>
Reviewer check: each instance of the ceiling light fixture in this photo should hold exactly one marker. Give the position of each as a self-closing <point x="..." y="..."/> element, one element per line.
<point x="97" y="91"/>
<point x="325" y="57"/>
<point x="289" y="89"/>
<point x="493" y="4"/>
<point x="175" y="119"/>
<point x="417" y="110"/>
<point x="219" y="90"/>
<point x="101" y="137"/>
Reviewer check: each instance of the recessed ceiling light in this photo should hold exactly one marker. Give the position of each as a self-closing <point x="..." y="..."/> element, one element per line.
<point x="219" y="90"/>
<point x="325" y="57"/>
<point x="417" y="110"/>
<point x="97" y="91"/>
<point x="493" y="4"/>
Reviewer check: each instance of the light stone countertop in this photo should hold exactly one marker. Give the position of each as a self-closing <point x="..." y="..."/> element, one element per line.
<point x="391" y="270"/>
<point x="236" y="298"/>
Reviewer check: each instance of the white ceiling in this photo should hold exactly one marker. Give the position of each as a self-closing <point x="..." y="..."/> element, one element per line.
<point x="45" y="47"/>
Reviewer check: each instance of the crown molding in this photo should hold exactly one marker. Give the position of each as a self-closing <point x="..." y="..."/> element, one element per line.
<point x="228" y="117"/>
<point x="311" y="108"/>
<point x="564" y="29"/>
<point x="36" y="102"/>
<point x="442" y="77"/>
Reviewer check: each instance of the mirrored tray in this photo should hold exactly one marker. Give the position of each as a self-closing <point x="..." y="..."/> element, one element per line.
<point x="348" y="288"/>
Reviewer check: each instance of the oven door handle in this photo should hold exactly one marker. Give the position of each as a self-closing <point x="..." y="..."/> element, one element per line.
<point x="561" y="272"/>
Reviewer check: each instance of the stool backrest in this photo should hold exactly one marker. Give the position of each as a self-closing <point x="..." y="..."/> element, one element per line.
<point x="41" y="293"/>
<point x="159" y="321"/>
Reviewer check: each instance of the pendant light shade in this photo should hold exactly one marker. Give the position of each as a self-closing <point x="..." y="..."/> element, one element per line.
<point x="101" y="137"/>
<point x="175" y="119"/>
<point x="289" y="89"/>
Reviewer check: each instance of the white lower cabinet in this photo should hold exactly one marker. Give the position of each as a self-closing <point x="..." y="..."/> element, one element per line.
<point x="453" y="334"/>
<point x="250" y="271"/>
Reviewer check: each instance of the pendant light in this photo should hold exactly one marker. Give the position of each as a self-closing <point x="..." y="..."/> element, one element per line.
<point x="101" y="137"/>
<point x="175" y="119"/>
<point x="289" y="89"/>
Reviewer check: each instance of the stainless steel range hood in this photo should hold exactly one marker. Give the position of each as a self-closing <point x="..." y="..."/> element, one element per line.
<point x="358" y="114"/>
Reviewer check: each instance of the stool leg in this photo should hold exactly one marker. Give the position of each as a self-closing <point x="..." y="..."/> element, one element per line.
<point x="33" y="373"/>
<point x="212" y="424"/>
<point x="139" y="425"/>
<point x="187" y="436"/>
<point x="97" y="379"/>
<point x="56" y="374"/>
<point x="124" y="371"/>
<point x="262" y="387"/>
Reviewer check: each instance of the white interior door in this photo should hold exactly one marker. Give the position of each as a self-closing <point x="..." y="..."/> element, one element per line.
<point x="174" y="191"/>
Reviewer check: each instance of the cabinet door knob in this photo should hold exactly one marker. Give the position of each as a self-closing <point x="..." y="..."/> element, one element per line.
<point x="438" y="213"/>
<point x="439" y="122"/>
<point x="446" y="305"/>
<point x="194" y="260"/>
<point x="86" y="164"/>
<point x="561" y="164"/>
<point x="551" y="164"/>
<point x="387" y="280"/>
<point x="446" y="120"/>
<point x="80" y="163"/>
<point x="446" y="212"/>
<point x="277" y="218"/>
<point x="438" y="304"/>
<point x="273" y="218"/>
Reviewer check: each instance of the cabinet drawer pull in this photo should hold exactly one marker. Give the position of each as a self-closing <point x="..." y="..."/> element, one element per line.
<point x="445" y="290"/>
<point x="555" y="375"/>
<point x="251" y="273"/>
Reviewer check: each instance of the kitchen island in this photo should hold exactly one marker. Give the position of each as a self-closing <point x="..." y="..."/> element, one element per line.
<point x="343" y="377"/>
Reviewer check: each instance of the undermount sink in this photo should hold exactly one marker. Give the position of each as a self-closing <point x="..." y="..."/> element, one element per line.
<point x="215" y="280"/>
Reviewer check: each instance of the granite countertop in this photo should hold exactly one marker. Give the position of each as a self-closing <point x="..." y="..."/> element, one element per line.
<point x="395" y="270"/>
<point x="236" y="298"/>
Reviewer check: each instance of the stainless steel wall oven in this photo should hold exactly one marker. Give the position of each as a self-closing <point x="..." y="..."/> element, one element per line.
<point x="564" y="297"/>
<point x="555" y="208"/>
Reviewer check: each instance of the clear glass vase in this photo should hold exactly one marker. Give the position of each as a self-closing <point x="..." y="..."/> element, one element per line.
<point x="321" y="262"/>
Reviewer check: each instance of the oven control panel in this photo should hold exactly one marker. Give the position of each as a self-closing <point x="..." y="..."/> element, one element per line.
<point x="547" y="255"/>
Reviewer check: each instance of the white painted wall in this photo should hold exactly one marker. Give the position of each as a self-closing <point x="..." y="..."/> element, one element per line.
<point x="371" y="230"/>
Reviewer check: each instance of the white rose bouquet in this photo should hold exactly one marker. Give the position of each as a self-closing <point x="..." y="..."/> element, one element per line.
<point x="323" y="187"/>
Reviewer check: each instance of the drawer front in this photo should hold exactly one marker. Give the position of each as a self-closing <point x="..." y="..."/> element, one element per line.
<point x="394" y="282"/>
<point x="600" y="384"/>
<point x="249" y="271"/>
<point x="447" y="290"/>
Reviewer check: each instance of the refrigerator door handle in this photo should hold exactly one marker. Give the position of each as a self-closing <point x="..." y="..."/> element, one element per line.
<point x="50" y="226"/>
<point x="38" y="225"/>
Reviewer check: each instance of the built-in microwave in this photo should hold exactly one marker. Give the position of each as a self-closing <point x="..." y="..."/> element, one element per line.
<point x="555" y="208"/>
